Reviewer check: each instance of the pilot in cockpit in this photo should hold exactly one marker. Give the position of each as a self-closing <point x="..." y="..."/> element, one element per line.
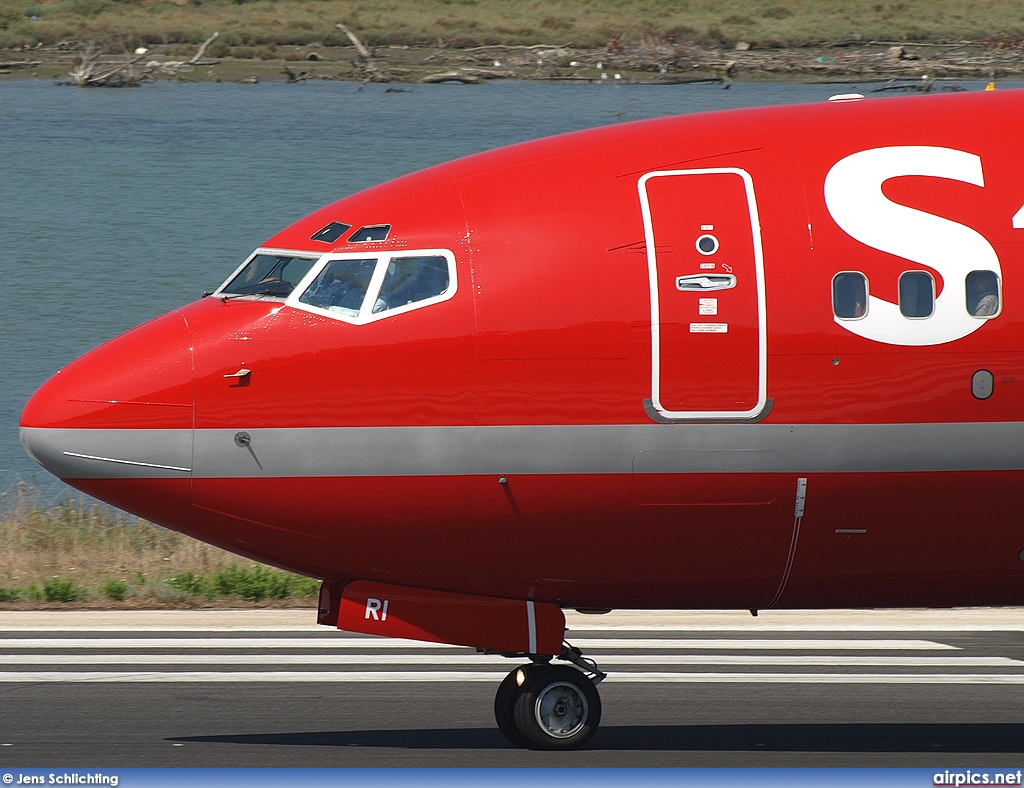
<point x="334" y="286"/>
<point x="343" y="285"/>
<point x="412" y="279"/>
<point x="400" y="284"/>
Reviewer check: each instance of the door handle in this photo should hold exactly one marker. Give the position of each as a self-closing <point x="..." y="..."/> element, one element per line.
<point x="702" y="283"/>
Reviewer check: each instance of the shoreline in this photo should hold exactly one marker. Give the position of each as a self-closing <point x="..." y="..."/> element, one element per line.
<point x="908" y="66"/>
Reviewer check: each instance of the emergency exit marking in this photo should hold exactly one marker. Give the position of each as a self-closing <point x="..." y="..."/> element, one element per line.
<point x="709" y="328"/>
<point x="707" y="306"/>
<point x="707" y="266"/>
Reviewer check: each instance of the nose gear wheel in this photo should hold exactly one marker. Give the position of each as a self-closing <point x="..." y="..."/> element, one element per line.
<point x="561" y="709"/>
<point x="548" y="707"/>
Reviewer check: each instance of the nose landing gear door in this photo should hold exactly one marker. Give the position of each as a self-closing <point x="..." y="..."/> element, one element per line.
<point x="708" y="334"/>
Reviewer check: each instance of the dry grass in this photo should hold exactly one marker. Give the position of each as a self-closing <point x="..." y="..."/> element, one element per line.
<point x="463" y="23"/>
<point x="82" y="549"/>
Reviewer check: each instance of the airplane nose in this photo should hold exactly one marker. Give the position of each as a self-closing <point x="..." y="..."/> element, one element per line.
<point x="117" y="423"/>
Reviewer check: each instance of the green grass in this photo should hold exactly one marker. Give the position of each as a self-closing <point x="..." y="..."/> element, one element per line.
<point x="582" y="23"/>
<point x="253" y="583"/>
<point x="115" y="590"/>
<point x="61" y="590"/>
<point x="80" y="551"/>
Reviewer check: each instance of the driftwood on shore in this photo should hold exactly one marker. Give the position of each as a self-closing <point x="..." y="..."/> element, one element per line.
<point x="452" y="76"/>
<point x="675" y="61"/>
<point x="468" y="76"/>
<point x="195" y="60"/>
<point x="628" y="59"/>
<point x="91" y="73"/>
<point x="363" y="52"/>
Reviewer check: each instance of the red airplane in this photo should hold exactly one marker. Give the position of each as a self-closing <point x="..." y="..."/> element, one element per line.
<point x="754" y="359"/>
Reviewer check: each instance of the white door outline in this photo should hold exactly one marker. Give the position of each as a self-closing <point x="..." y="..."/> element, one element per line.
<point x="652" y="272"/>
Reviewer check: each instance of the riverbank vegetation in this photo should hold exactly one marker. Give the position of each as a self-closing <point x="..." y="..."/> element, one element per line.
<point x="255" y="24"/>
<point x="126" y="42"/>
<point x="81" y="552"/>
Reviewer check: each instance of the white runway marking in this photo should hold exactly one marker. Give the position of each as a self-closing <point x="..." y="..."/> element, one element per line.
<point x="246" y="677"/>
<point x="767" y="628"/>
<point x="471" y="659"/>
<point x="763" y="644"/>
<point x="586" y="644"/>
<point x="820" y="678"/>
<point x="286" y="657"/>
<point x="318" y="629"/>
<point x="269" y="643"/>
<point x="752" y="626"/>
<point x="493" y="677"/>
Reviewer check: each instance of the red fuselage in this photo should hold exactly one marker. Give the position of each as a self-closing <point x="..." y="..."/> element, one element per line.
<point x="641" y="386"/>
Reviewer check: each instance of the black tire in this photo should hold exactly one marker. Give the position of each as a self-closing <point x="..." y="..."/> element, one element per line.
<point x="557" y="708"/>
<point x="505" y="707"/>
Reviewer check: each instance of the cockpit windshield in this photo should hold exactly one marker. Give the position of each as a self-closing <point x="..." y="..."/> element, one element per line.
<point x="269" y="275"/>
<point x="341" y="286"/>
<point x="361" y="288"/>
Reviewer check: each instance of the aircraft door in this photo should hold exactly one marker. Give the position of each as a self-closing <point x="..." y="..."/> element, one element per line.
<point x="709" y="344"/>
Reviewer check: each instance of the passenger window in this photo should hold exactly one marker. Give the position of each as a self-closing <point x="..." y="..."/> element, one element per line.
<point x="917" y="294"/>
<point x="270" y="275"/>
<point x="412" y="279"/>
<point x="849" y="295"/>
<point x="341" y="286"/>
<point x="982" y="293"/>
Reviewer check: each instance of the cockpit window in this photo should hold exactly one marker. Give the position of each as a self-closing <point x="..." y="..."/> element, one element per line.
<point x="371" y="232"/>
<point x="341" y="286"/>
<point x="412" y="279"/>
<point x="330" y="233"/>
<point x="269" y="275"/>
<point x="362" y="288"/>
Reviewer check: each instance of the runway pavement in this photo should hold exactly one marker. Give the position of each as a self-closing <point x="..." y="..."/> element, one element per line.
<point x="266" y="688"/>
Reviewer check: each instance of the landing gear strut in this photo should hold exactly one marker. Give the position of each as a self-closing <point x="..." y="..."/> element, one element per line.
<point x="550" y="707"/>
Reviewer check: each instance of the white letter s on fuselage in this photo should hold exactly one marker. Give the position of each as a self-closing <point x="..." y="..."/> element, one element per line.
<point x="853" y="194"/>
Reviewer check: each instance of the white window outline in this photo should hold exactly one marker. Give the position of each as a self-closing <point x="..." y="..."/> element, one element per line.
<point x="366" y="314"/>
<point x="867" y="293"/>
<point x="899" y="302"/>
<point x="999" y="292"/>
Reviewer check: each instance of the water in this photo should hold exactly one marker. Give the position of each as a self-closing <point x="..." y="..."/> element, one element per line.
<point x="119" y="205"/>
